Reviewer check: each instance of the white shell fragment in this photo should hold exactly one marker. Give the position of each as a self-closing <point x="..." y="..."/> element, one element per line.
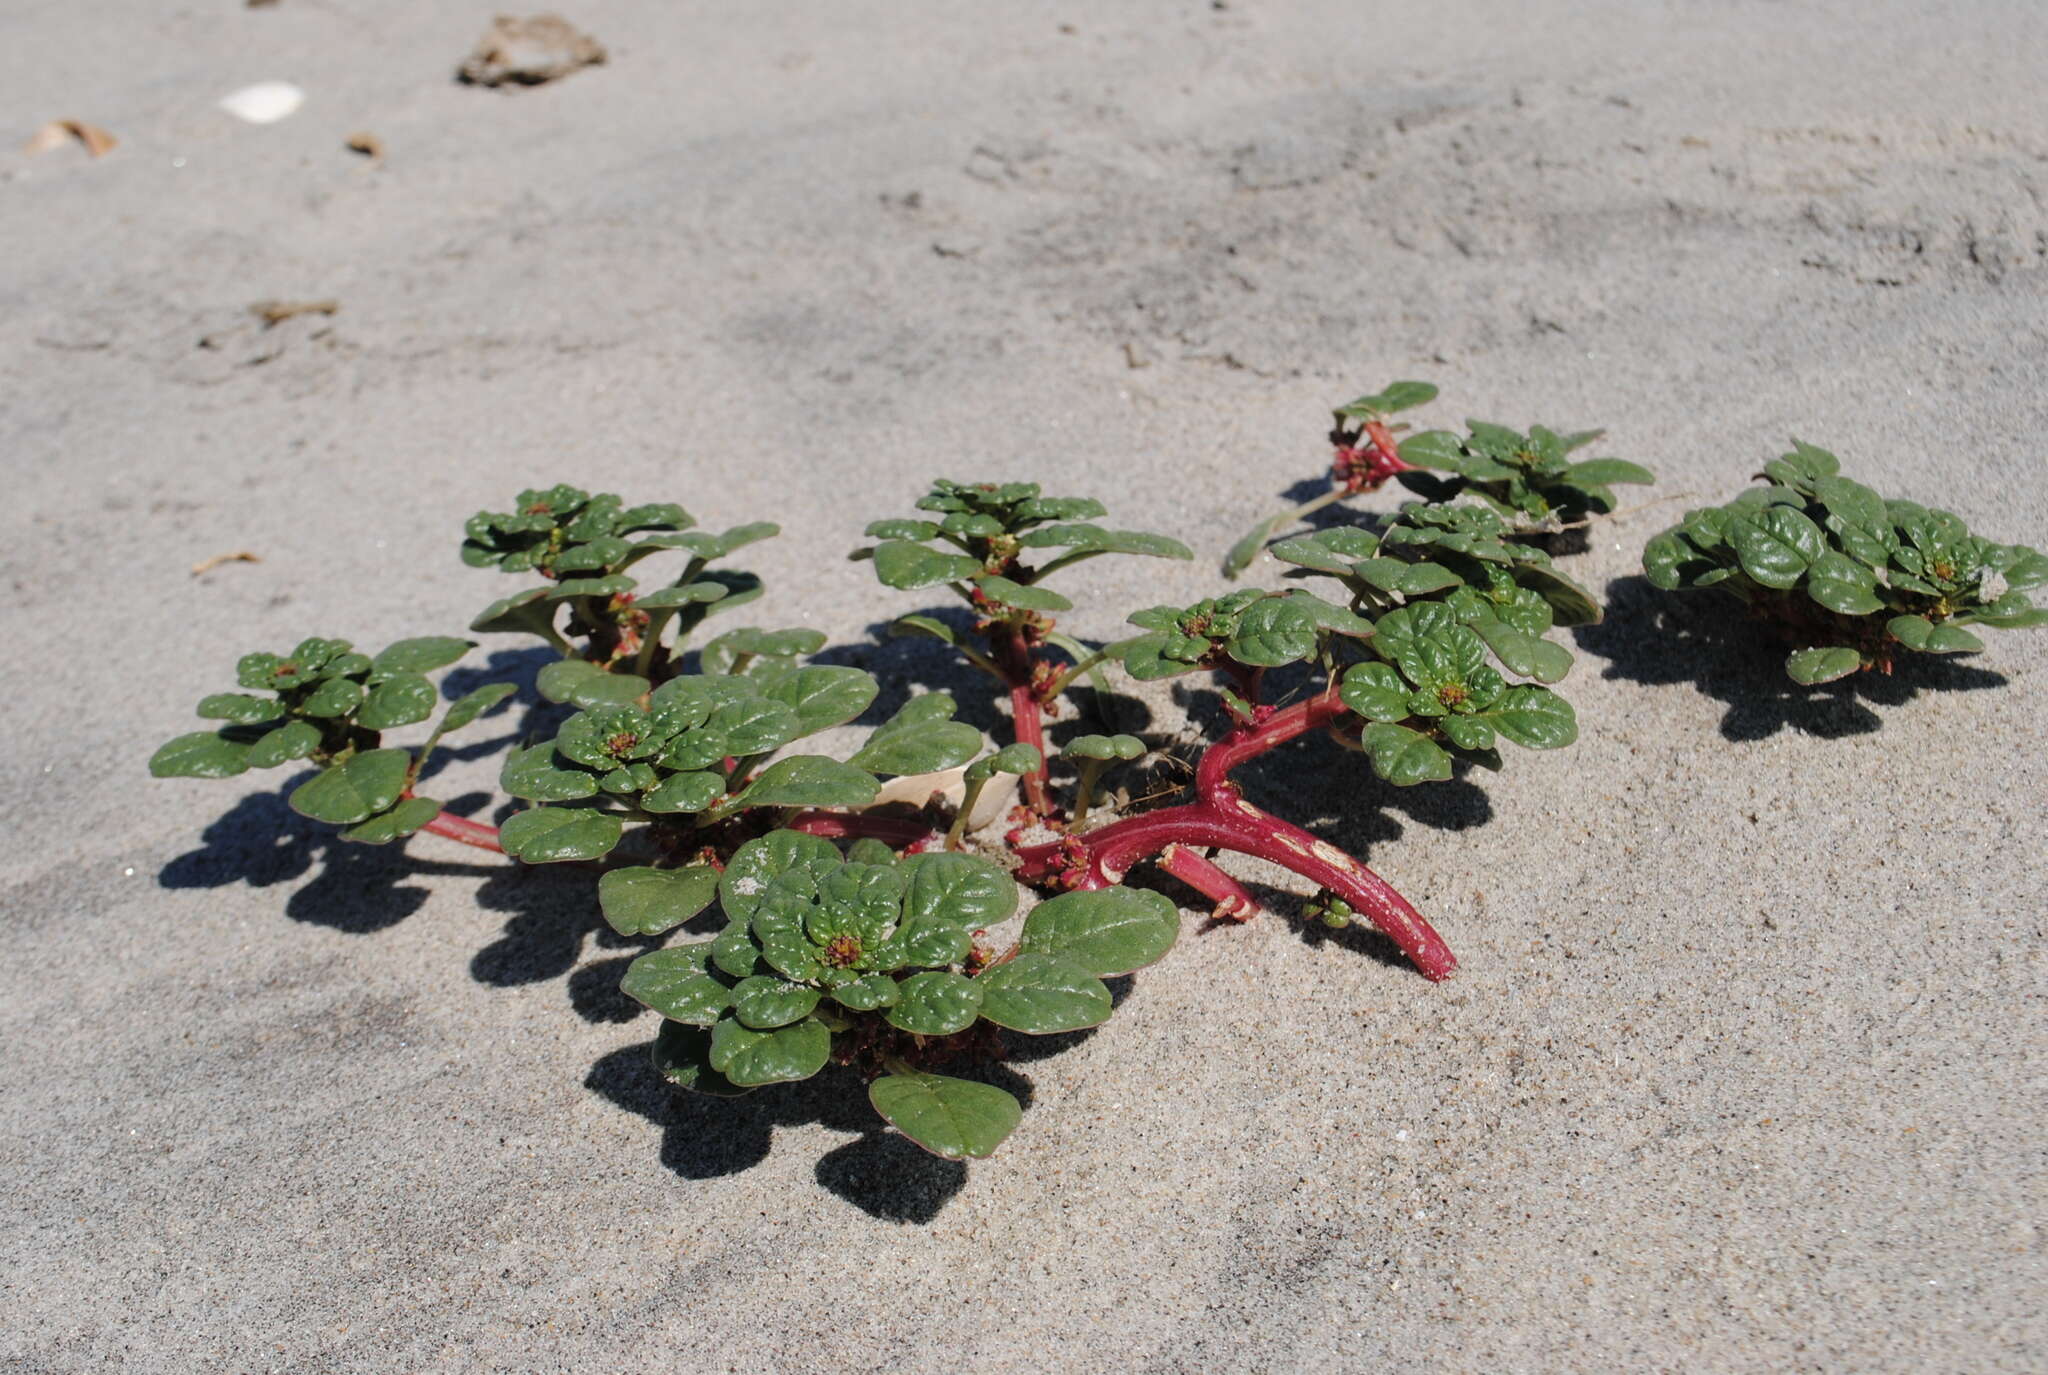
<point x="264" y="103"/>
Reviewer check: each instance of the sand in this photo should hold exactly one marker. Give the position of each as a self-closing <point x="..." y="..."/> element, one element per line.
<point x="1742" y="1069"/>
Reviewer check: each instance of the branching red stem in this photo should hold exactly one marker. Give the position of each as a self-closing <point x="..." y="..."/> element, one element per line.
<point x="1221" y="818"/>
<point x="1013" y="657"/>
<point x="1227" y="893"/>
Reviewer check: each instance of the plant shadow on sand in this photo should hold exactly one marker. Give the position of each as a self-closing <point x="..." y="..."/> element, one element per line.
<point x="880" y="1172"/>
<point x="1655" y="637"/>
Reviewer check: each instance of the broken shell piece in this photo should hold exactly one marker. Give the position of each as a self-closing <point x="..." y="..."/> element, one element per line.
<point x="998" y="795"/>
<point x="264" y="103"/>
<point x="58" y="132"/>
<point x="526" y="52"/>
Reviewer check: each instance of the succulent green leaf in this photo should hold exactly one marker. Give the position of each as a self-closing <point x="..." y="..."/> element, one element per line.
<point x="1397" y="396"/>
<point x="1822" y="665"/>
<point x="909" y="566"/>
<point x="810" y="780"/>
<point x="1042" y="995"/>
<point x="1439" y="449"/>
<point x="290" y="741"/>
<point x="1008" y="593"/>
<point x="1533" y="717"/>
<point x="353" y="791"/>
<point x="961" y="890"/>
<point x="937" y="1003"/>
<point x="584" y="684"/>
<point x="722" y="654"/>
<point x="953" y="1118"/>
<point x="422" y="655"/>
<point x="735" y="950"/>
<point x="1123" y="747"/>
<point x="335" y="697"/>
<point x="689" y="594"/>
<point x="1572" y="604"/>
<point x="554" y="835"/>
<point x="1274" y="631"/>
<point x="1375" y="691"/>
<point x="528" y="613"/>
<point x="750" y="1058"/>
<point x="1246" y="549"/>
<point x="401" y="821"/>
<point x="1531" y="656"/>
<point x="924" y="625"/>
<point x="902" y="530"/>
<point x="201" y="754"/>
<point x="536" y="775"/>
<point x="678" y="983"/>
<point x="240" y="708"/>
<point x="823" y="696"/>
<point x="867" y="993"/>
<point x="1777" y="545"/>
<point x="920" y="738"/>
<point x="2028" y="569"/>
<point x="1107" y="932"/>
<point x="1404" y="757"/>
<point x="682" y="1055"/>
<point x="1917" y="632"/>
<point x="399" y="700"/>
<point x="1095" y="539"/>
<point x="765" y="1002"/>
<point x="760" y="861"/>
<point x="1601" y="471"/>
<point x="1840" y="583"/>
<point x="684" y="792"/>
<point x="644" y="901"/>
<point x="605" y="587"/>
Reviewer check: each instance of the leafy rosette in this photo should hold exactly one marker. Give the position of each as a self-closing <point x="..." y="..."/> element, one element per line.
<point x="983" y="535"/>
<point x="873" y="964"/>
<point x="1251" y="627"/>
<point x="581" y="543"/>
<point x="1506" y="591"/>
<point x="328" y="704"/>
<point x="694" y="747"/>
<point x="1433" y="696"/>
<point x="1849" y="578"/>
<point x="1531" y="479"/>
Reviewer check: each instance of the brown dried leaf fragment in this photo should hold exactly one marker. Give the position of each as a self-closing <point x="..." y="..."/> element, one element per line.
<point x="209" y="564"/>
<point x="277" y="312"/>
<point x="369" y="145"/>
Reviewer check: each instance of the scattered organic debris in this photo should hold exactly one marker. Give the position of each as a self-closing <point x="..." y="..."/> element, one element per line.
<point x="58" y="132"/>
<point x="273" y="313"/>
<point x="527" y="52"/>
<point x="207" y="565"/>
<point x="369" y="145"/>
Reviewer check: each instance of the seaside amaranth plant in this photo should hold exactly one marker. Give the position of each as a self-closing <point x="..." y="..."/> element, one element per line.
<point x="979" y="548"/>
<point x="1530" y="480"/>
<point x="1849" y="579"/>
<point x="867" y="958"/>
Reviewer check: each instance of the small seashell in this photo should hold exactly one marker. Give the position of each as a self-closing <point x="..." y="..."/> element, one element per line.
<point x="264" y="103"/>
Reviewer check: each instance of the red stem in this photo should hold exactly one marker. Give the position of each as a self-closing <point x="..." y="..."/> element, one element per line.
<point x="1222" y="819"/>
<point x="1227" y="893"/>
<point x="1013" y="657"/>
<point x="461" y="828"/>
<point x="897" y="832"/>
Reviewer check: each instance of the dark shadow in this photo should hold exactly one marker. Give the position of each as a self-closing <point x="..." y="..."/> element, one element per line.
<point x="703" y="1137"/>
<point x="1706" y="639"/>
<point x="261" y="842"/>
